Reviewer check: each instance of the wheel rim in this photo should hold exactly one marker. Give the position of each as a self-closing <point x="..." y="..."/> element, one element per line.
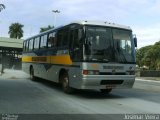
<point x="65" y="82"/>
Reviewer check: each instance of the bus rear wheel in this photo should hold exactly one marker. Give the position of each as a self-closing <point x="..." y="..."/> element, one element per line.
<point x="105" y="91"/>
<point x="32" y="77"/>
<point x="65" y="84"/>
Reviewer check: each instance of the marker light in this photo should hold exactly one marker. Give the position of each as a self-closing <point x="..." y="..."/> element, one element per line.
<point x="90" y="72"/>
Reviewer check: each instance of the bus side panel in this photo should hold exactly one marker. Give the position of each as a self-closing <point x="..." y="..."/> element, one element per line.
<point x="25" y="67"/>
<point x="53" y="73"/>
<point x="75" y="76"/>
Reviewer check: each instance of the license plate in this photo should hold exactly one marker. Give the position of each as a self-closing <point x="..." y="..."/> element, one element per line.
<point x="110" y="86"/>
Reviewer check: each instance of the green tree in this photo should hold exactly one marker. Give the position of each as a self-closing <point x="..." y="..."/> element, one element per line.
<point x="140" y="54"/>
<point x="15" y="30"/>
<point x="149" y="56"/>
<point x="43" y="29"/>
<point x="154" y="56"/>
<point x="2" y="6"/>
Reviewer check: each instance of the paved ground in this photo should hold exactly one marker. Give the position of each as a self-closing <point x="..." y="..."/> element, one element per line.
<point x="19" y="95"/>
<point x="150" y="78"/>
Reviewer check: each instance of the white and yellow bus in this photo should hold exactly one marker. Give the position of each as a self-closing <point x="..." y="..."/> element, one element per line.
<point x="83" y="55"/>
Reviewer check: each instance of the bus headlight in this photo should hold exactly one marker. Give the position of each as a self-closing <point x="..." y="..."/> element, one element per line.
<point x="90" y="72"/>
<point x="130" y="72"/>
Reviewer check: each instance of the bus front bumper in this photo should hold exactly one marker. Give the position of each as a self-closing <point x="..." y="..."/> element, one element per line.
<point x="107" y="82"/>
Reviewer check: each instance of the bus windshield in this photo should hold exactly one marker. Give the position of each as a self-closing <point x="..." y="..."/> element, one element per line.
<point x="109" y="45"/>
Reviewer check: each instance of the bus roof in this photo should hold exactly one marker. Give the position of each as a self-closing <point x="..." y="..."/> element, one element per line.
<point x="102" y="23"/>
<point x="96" y="23"/>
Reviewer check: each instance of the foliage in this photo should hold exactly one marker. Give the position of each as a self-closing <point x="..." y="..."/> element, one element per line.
<point x="43" y="29"/>
<point x="149" y="56"/>
<point x="2" y="6"/>
<point x="15" y="30"/>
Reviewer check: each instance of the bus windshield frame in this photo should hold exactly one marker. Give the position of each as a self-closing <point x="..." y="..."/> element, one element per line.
<point x="108" y="44"/>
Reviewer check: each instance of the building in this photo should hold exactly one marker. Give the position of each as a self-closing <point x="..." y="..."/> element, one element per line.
<point x="10" y="52"/>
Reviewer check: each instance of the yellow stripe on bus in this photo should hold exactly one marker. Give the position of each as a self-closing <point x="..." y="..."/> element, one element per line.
<point x="27" y="59"/>
<point x="59" y="59"/>
<point x="39" y="59"/>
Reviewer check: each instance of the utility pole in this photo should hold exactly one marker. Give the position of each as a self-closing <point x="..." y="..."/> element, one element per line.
<point x="55" y="17"/>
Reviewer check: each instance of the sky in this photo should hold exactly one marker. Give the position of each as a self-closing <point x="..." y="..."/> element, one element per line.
<point x="143" y="16"/>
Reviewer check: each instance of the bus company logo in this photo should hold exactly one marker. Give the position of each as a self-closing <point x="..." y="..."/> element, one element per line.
<point x="39" y="59"/>
<point x="113" y="67"/>
<point x="95" y="66"/>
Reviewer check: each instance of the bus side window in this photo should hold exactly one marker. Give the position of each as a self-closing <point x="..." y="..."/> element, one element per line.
<point x="30" y="44"/>
<point x="27" y="45"/>
<point x="65" y="41"/>
<point x="24" y="46"/>
<point x="52" y="40"/>
<point x="63" y="37"/>
<point x="36" y="43"/>
<point x="59" y="38"/>
<point x="75" y="41"/>
<point x="43" y="43"/>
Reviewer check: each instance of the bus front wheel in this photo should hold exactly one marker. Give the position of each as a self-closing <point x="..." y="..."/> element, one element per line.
<point x="65" y="84"/>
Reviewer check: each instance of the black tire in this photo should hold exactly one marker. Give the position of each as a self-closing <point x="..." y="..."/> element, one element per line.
<point x="32" y="77"/>
<point x="65" y="84"/>
<point x="105" y="91"/>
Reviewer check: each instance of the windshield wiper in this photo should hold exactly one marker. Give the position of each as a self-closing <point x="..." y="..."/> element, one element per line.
<point x="93" y="59"/>
<point x="100" y="60"/>
<point x="106" y="60"/>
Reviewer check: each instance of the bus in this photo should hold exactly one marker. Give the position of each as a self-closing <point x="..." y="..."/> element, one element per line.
<point x="83" y="55"/>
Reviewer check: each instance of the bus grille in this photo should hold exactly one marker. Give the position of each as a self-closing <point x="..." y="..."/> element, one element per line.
<point x="111" y="82"/>
<point x="110" y="73"/>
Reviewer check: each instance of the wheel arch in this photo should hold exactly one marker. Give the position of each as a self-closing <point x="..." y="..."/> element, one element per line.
<point x="31" y="67"/>
<point x="61" y="73"/>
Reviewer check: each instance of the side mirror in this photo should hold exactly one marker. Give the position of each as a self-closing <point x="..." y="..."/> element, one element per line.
<point x="135" y="41"/>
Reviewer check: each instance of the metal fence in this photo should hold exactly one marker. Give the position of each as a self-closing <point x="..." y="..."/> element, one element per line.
<point x="148" y="73"/>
